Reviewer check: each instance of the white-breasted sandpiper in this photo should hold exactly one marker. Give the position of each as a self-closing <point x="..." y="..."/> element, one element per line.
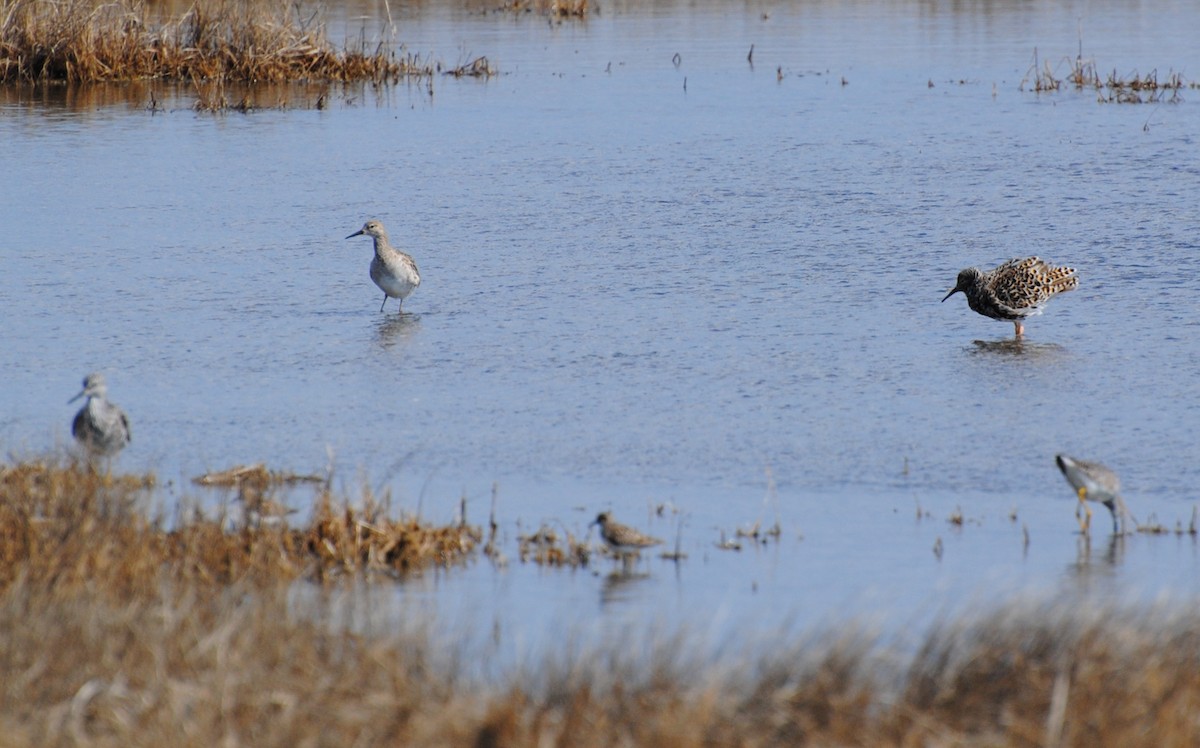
<point x="100" y="427"/>
<point x="392" y="270"/>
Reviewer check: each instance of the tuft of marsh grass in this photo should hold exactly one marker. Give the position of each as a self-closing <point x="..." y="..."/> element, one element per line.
<point x="1082" y="74"/>
<point x="554" y="9"/>
<point x="258" y="41"/>
<point x="65" y="525"/>
<point x="479" y="67"/>
<point x="545" y="548"/>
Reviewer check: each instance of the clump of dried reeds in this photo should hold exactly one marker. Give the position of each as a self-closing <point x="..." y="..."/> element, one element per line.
<point x="350" y="538"/>
<point x="559" y="9"/>
<point x="1083" y="74"/>
<point x="63" y="523"/>
<point x="545" y="548"/>
<point x="67" y="524"/>
<point x="479" y="67"/>
<point x="213" y="40"/>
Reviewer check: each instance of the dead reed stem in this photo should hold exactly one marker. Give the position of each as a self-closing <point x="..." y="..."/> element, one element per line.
<point x="1082" y="74"/>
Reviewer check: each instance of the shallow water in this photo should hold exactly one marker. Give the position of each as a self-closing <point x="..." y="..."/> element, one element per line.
<point x="710" y="285"/>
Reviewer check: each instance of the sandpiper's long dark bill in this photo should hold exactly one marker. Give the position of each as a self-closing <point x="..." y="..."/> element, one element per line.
<point x="392" y="270"/>
<point x="1093" y="482"/>
<point x="622" y="539"/>
<point x="100" y="427"/>
<point x="1014" y="291"/>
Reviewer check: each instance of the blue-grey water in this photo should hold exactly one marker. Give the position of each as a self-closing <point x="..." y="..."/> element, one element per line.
<point x="654" y="280"/>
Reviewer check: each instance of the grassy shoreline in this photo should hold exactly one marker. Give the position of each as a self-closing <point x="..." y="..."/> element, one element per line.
<point x="120" y="631"/>
<point x="248" y="41"/>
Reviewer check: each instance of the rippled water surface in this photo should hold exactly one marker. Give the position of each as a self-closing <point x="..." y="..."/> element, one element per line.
<point x="694" y="282"/>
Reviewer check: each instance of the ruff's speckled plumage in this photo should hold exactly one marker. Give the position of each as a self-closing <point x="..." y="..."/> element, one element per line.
<point x="392" y="270"/>
<point x="1094" y="482"/>
<point x="1014" y="291"/>
<point x="622" y="539"/>
<point x="100" y="427"/>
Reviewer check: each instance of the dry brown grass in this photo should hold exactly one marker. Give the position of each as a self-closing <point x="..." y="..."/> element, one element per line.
<point x="117" y="631"/>
<point x="1081" y="74"/>
<point x="259" y="41"/>
<point x="554" y="9"/>
<point x="546" y="548"/>
<point x="63" y="524"/>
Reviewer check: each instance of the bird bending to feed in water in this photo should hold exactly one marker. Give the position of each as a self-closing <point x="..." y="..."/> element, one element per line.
<point x="392" y="270"/>
<point x="622" y="539"/>
<point x="101" y="427"/>
<point x="1095" y="482"/>
<point x="1015" y="290"/>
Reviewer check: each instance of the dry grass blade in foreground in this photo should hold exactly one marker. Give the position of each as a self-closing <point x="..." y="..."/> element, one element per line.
<point x="85" y="41"/>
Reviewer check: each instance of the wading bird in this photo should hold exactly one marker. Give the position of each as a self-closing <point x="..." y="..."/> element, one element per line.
<point x="392" y="270"/>
<point x="1094" y="482"/>
<point x="1014" y="291"/>
<point x="100" y="427"/>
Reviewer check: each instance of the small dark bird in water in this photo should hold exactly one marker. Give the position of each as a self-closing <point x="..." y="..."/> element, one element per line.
<point x="622" y="539"/>
<point x="100" y="427"/>
<point x="1094" y="482"/>
<point x="1015" y="290"/>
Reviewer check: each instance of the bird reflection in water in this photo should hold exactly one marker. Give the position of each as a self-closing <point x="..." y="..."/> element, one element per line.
<point x="621" y="586"/>
<point x="398" y="328"/>
<point x="1100" y="562"/>
<point x="1016" y="347"/>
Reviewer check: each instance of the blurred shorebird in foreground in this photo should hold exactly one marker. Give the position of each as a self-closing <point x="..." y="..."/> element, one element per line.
<point x="392" y="270"/>
<point x="1094" y="482"/>
<point x="624" y="541"/>
<point x="100" y="427"/>
<point x="1015" y="290"/>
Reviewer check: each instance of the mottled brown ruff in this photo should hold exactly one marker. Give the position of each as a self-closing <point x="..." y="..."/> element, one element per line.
<point x="622" y="539"/>
<point x="1015" y="290"/>
<point x="1094" y="482"/>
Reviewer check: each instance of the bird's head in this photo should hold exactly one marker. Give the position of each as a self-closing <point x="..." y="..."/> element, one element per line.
<point x="93" y="386"/>
<point x="966" y="278"/>
<point x="370" y="228"/>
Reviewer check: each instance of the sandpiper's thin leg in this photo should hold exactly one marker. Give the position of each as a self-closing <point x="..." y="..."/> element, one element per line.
<point x="1085" y="524"/>
<point x="1020" y="328"/>
<point x="381" y="306"/>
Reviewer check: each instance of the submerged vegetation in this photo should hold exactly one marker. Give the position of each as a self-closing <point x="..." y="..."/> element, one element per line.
<point x="1083" y="74"/>
<point x="120" y="630"/>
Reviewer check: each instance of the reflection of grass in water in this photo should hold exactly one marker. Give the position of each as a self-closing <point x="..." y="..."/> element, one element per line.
<point x="1080" y="73"/>
<point x="118" y="632"/>
<point x="212" y="41"/>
